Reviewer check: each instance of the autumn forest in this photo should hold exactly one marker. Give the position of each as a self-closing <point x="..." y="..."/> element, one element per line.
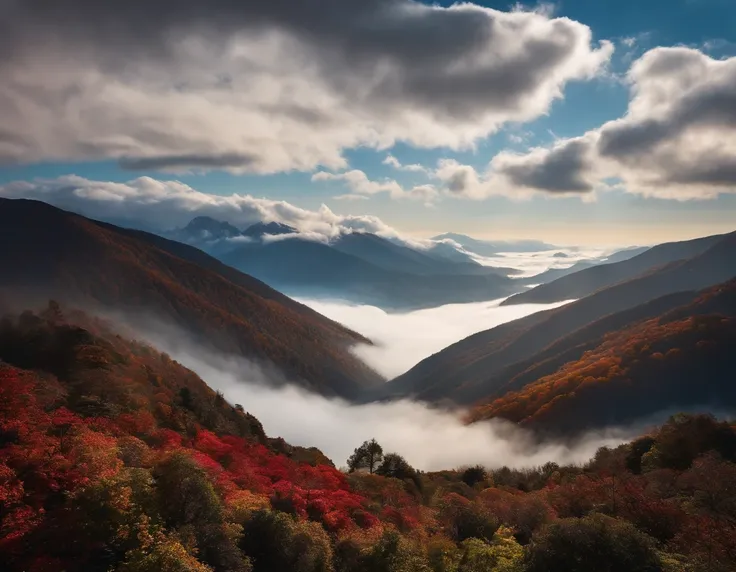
<point x="115" y="457"/>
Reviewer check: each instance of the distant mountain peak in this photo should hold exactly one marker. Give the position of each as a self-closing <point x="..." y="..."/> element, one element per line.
<point x="211" y="225"/>
<point x="259" y="229"/>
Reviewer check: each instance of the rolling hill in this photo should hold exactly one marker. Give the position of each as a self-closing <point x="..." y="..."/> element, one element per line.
<point x="51" y="253"/>
<point x="682" y="359"/>
<point x="476" y="368"/>
<point x="589" y="280"/>
<point x="115" y="457"/>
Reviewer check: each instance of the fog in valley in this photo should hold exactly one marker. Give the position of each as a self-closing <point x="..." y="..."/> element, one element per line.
<point x="533" y="263"/>
<point x="401" y="340"/>
<point x="430" y="439"/>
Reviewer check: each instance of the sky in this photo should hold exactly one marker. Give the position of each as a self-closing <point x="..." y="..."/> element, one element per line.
<point x="575" y="122"/>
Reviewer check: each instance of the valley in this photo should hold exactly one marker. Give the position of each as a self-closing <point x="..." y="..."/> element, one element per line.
<point x="367" y="286"/>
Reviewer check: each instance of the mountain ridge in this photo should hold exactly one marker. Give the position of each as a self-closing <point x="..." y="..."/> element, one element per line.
<point x="471" y="362"/>
<point x="62" y="255"/>
<point x="590" y="280"/>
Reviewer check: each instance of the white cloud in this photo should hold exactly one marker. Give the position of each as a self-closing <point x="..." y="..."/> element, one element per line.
<point x="361" y="185"/>
<point x="160" y="205"/>
<point x="629" y="42"/>
<point x="677" y="139"/>
<point x="392" y="161"/>
<point x="271" y="86"/>
<point x="350" y="197"/>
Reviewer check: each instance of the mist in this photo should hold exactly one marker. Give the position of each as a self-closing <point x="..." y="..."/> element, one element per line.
<point x="533" y="263"/>
<point x="429" y="438"/>
<point x="403" y="340"/>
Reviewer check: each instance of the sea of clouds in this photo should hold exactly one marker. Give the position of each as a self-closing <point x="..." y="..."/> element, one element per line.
<point x="430" y="438"/>
<point x="401" y="340"/>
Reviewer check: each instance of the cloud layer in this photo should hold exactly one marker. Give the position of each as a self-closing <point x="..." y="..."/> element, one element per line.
<point x="162" y="205"/>
<point x="264" y="87"/>
<point x="677" y="139"/>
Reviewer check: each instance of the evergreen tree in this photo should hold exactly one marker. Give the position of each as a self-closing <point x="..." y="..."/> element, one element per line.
<point x="368" y="456"/>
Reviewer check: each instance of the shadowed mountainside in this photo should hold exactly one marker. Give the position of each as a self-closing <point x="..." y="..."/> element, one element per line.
<point x="307" y="268"/>
<point x="681" y="359"/>
<point x="589" y="280"/>
<point x="475" y="368"/>
<point x="56" y="254"/>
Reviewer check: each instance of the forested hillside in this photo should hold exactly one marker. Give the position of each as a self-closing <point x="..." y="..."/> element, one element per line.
<point x="60" y="255"/>
<point x="682" y="359"/>
<point x="479" y="366"/>
<point x="114" y="457"/>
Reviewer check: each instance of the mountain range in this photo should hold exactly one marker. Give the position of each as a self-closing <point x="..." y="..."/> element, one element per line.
<point x="61" y="255"/>
<point x="594" y="278"/>
<point x="531" y="371"/>
<point x="665" y="360"/>
<point x="490" y="363"/>
<point x="359" y="267"/>
<point x="365" y="268"/>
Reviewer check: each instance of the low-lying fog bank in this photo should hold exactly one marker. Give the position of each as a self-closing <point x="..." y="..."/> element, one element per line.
<point x="430" y="439"/>
<point x="533" y="263"/>
<point x="403" y="340"/>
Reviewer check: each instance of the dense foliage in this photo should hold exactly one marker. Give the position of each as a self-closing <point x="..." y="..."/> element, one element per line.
<point x="680" y="359"/>
<point x="114" y="457"/>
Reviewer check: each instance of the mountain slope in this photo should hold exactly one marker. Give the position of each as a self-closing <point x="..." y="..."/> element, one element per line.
<point x="590" y="280"/>
<point x="472" y="368"/>
<point x="258" y="229"/>
<point x="53" y="253"/>
<point x="307" y="268"/>
<point x="391" y="256"/>
<point x="682" y="359"/>
<point x="626" y="254"/>
<point x="556" y="273"/>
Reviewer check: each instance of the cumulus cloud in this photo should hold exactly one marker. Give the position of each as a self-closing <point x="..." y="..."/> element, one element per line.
<point x="559" y="169"/>
<point x="677" y="139"/>
<point x="263" y="87"/>
<point x="351" y="197"/>
<point x="361" y="185"/>
<point x="392" y="161"/>
<point x="161" y="205"/>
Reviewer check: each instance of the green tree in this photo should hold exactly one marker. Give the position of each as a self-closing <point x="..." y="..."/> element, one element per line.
<point x="464" y="519"/>
<point x="396" y="467"/>
<point x="367" y="456"/>
<point x="596" y="542"/>
<point x="162" y="554"/>
<point x="189" y="504"/>
<point x="392" y="553"/>
<point x="277" y="542"/>
<point x="503" y="554"/>
<point x="473" y="475"/>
